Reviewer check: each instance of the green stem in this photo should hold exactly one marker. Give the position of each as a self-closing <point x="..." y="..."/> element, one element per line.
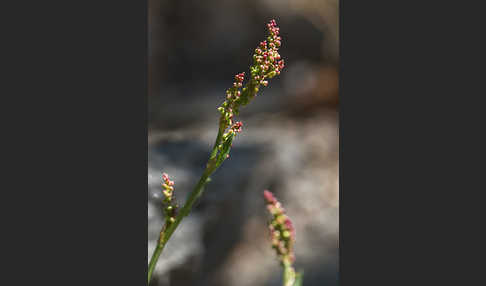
<point x="288" y="275"/>
<point x="169" y="228"/>
<point x="153" y="260"/>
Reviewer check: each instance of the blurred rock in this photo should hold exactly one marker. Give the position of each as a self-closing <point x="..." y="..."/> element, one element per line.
<point x="310" y="87"/>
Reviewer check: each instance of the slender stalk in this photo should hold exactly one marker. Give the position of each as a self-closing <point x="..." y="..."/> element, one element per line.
<point x="169" y="228"/>
<point x="153" y="260"/>
<point x="288" y="275"/>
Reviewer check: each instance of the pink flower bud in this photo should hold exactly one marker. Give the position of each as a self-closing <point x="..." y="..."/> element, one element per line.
<point x="269" y="197"/>
<point x="165" y="176"/>
<point x="237" y="126"/>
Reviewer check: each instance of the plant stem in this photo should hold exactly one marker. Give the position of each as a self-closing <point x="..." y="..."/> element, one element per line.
<point x="169" y="228"/>
<point x="153" y="260"/>
<point x="288" y="275"/>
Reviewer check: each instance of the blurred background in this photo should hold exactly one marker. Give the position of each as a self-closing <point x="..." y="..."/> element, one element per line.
<point x="289" y="143"/>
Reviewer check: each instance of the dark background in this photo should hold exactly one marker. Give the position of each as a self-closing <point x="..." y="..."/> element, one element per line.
<point x="289" y="143"/>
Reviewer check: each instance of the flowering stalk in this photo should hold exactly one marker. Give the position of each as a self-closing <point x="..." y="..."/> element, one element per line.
<point x="267" y="63"/>
<point x="170" y="211"/>
<point x="283" y="238"/>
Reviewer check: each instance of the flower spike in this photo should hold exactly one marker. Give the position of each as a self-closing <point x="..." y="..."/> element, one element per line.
<point x="282" y="235"/>
<point x="169" y="198"/>
<point x="267" y="63"/>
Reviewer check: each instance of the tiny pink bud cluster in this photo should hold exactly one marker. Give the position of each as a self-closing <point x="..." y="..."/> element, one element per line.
<point x="227" y="110"/>
<point x="267" y="62"/>
<point x="169" y="198"/>
<point x="281" y="229"/>
<point x="168" y="184"/>
<point x="239" y="78"/>
<point x="237" y="126"/>
<point x="232" y="94"/>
